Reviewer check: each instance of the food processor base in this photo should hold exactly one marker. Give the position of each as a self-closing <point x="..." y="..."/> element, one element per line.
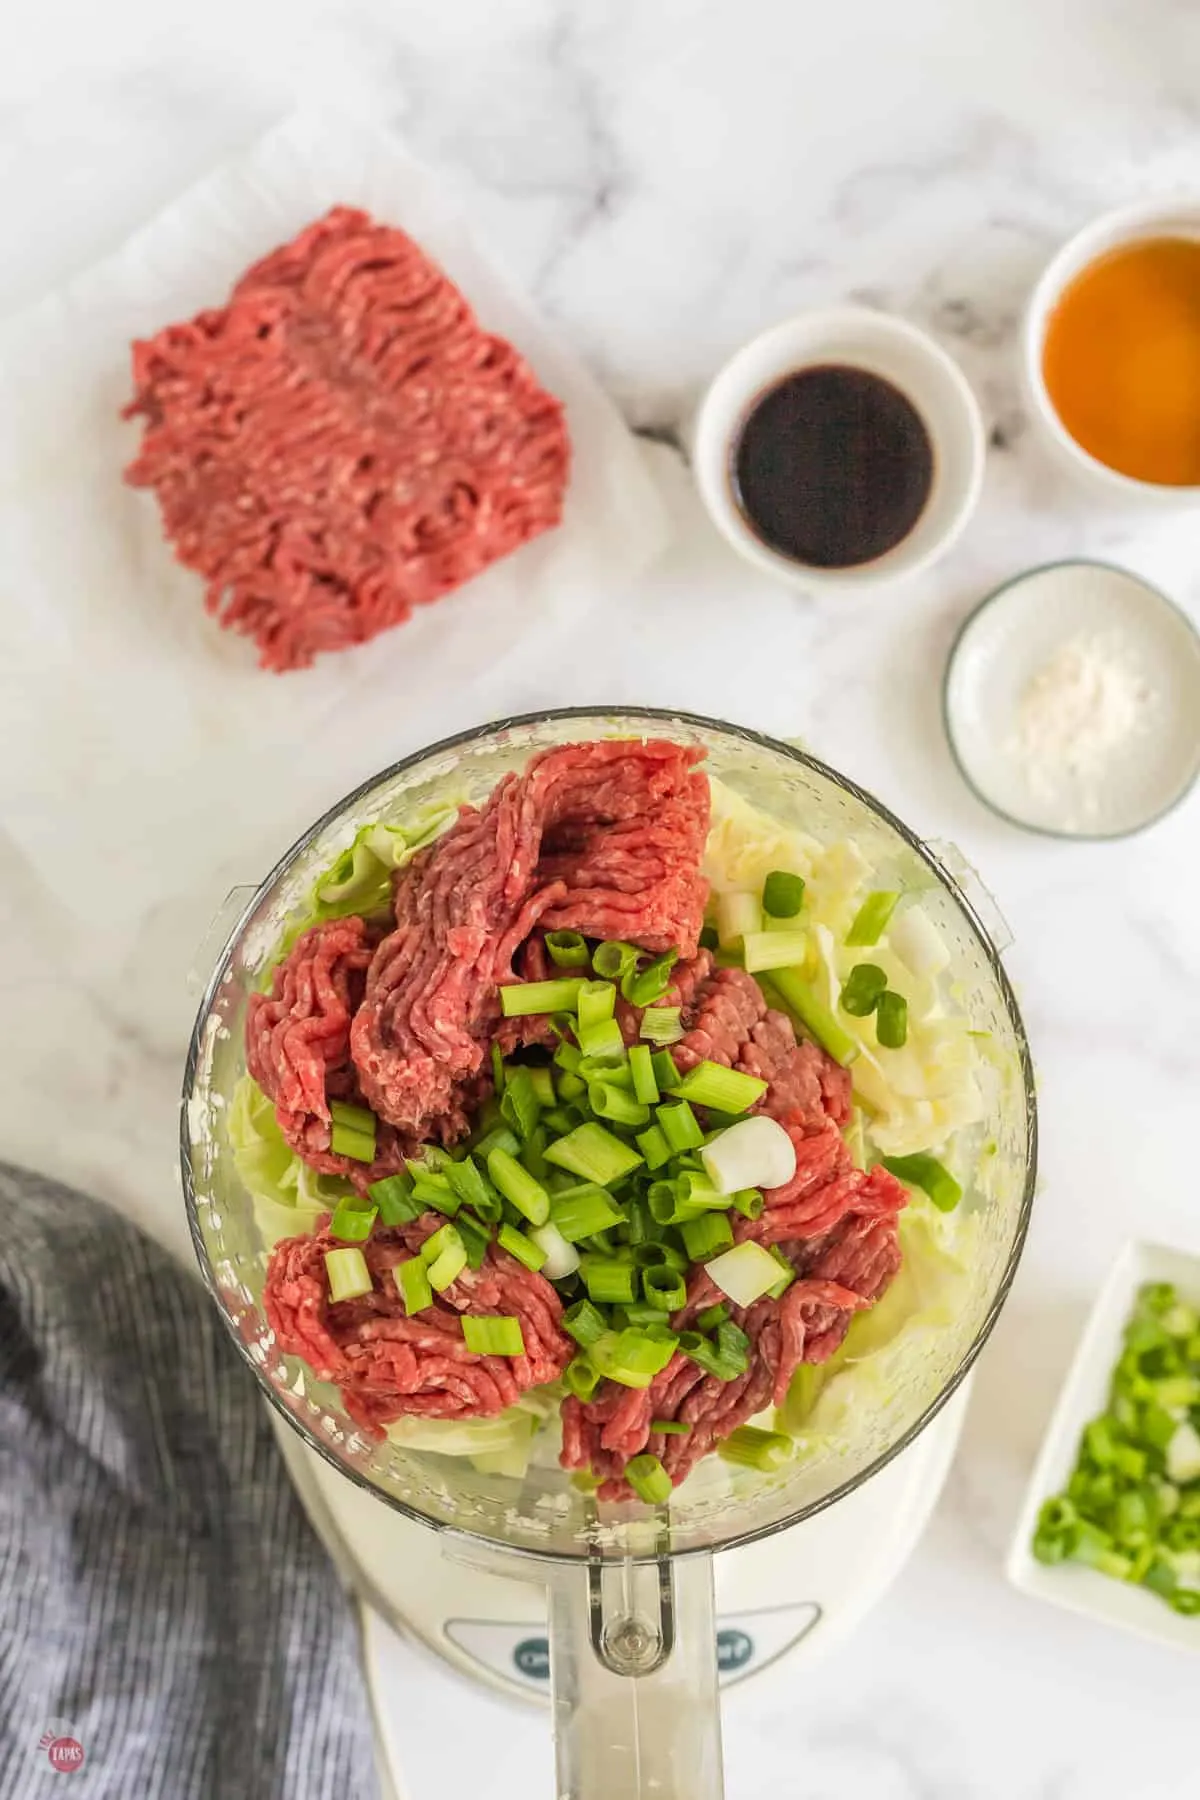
<point x="794" y="1594"/>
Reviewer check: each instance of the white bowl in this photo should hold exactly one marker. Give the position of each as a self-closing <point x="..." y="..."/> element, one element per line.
<point x="1012" y="634"/>
<point x="1085" y="1393"/>
<point x="885" y="346"/>
<point x="1127" y="225"/>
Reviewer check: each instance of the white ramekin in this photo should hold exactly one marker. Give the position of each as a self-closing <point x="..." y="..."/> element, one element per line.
<point x="885" y="346"/>
<point x="1160" y="217"/>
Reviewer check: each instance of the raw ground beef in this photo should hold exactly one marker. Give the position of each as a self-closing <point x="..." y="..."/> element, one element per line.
<point x="342" y="441"/>
<point x="390" y="1366"/>
<point x="601" y="838"/>
<point x="605" y="839"/>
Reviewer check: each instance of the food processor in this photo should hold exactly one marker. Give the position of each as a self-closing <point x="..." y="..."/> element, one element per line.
<point x="629" y="1589"/>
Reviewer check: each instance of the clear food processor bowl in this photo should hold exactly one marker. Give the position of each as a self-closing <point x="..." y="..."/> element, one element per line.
<point x="633" y="1664"/>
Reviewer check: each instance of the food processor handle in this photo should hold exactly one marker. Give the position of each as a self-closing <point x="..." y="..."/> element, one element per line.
<point x="633" y="1667"/>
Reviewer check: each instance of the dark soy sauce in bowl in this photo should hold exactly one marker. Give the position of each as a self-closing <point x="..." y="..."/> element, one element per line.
<point x="832" y="467"/>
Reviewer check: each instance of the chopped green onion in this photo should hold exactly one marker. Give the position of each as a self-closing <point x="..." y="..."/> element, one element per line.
<point x="654" y="1147"/>
<point x="466" y="1179"/>
<point x="783" y="894"/>
<point x="662" y="1201"/>
<point x="614" y="960"/>
<point x="702" y="1351"/>
<point x="496" y="1334"/>
<point x="571" y="1088"/>
<point x="523" y="1248"/>
<point x="707" y="1235"/>
<point x="609" y="1281"/>
<point x="602" y="1040"/>
<point x="520" y="999"/>
<point x="580" y="1212"/>
<point x="567" y="1057"/>
<point x="665" y="1072"/>
<point x="652" y="983"/>
<point x="641" y="1066"/>
<point x="355" y="1118"/>
<point x="581" y="1378"/>
<point x="695" y="1189"/>
<point x="347" y="1274"/>
<point x="648" y="1479"/>
<point x="744" y="1273"/>
<point x="862" y="989"/>
<point x="394" y="1198"/>
<point x="664" y="1288"/>
<point x="634" y="1356"/>
<point x="680" y="1126"/>
<point x="357" y="1145"/>
<point x="498" y="1070"/>
<point x="786" y="1273"/>
<point x="891" y="1020"/>
<point x="594" y="1154"/>
<point x="434" y="1190"/>
<point x="445" y="1256"/>
<point x="533" y="1154"/>
<point x="476" y="1239"/>
<point x="872" y="918"/>
<point x="801" y="999"/>
<point x="584" y="1323"/>
<point x="596" y="1002"/>
<point x="670" y="1427"/>
<point x="519" y="1187"/>
<point x="661" y="1025"/>
<point x="608" y="1101"/>
<point x="928" y="1174"/>
<point x="543" y="1086"/>
<point x="749" y="1202"/>
<point x="733" y="1346"/>
<point x="520" y="1105"/>
<point x="567" y="949"/>
<point x="712" y="1316"/>
<point x="755" y="1449"/>
<point x="1185" y="1601"/>
<point x="711" y="1084"/>
<point x="737" y="915"/>
<point x="774" y="950"/>
<point x="352" y="1221"/>
<point x="499" y="1138"/>
<point x="412" y="1279"/>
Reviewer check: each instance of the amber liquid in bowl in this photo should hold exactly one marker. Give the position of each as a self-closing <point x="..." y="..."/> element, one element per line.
<point x="1121" y="360"/>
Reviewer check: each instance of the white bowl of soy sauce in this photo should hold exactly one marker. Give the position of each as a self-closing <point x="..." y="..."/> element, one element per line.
<point x="839" y="449"/>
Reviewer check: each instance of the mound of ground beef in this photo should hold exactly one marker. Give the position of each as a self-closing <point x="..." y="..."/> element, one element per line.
<point x="389" y="1366"/>
<point x="605" y="839"/>
<point x="602" y="838"/>
<point x="342" y="441"/>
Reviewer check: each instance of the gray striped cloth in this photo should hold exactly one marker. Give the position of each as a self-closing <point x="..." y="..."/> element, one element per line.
<point x="166" y="1613"/>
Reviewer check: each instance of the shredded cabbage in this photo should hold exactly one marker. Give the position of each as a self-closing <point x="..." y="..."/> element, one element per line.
<point x="288" y="1196"/>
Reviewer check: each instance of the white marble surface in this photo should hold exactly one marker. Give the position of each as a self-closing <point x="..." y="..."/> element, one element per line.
<point x="664" y="180"/>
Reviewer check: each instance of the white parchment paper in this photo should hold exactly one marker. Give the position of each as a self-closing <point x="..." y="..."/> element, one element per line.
<point x="137" y="739"/>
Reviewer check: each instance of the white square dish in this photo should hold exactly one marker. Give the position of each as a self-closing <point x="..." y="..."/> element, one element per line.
<point x="1084" y="1394"/>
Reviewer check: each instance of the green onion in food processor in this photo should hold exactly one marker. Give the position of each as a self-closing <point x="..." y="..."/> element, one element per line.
<point x="751" y="1448"/>
<point x="352" y="1221"/>
<point x="928" y="1174"/>
<point x="521" y="999"/>
<point x="774" y="950"/>
<point x="872" y="918"/>
<point x="891" y="1020"/>
<point x="670" y="1427"/>
<point x="706" y="1236"/>
<point x="728" y="1090"/>
<point x="394" y="1198"/>
<point x="580" y="1212"/>
<point x="652" y="983"/>
<point x="347" y="1274"/>
<point x="585" y="1323"/>
<point x="594" y="1154"/>
<point x="664" y="1288"/>
<point x="523" y="1248"/>
<point x="782" y="895"/>
<point x="567" y="949"/>
<point x="662" y="1025"/>
<point x="614" y="960"/>
<point x="494" y="1335"/>
<point x="680" y="1126"/>
<point x="862" y="989"/>
<point x="608" y="1280"/>
<point x="608" y="1101"/>
<point x="648" y="1479"/>
<point x="412" y="1279"/>
<point x="519" y="1187"/>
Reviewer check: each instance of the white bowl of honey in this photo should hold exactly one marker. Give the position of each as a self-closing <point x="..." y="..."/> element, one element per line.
<point x="1112" y="350"/>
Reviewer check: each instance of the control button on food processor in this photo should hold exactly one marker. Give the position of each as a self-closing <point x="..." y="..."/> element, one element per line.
<point x="734" y="1650"/>
<point x="532" y="1657"/>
